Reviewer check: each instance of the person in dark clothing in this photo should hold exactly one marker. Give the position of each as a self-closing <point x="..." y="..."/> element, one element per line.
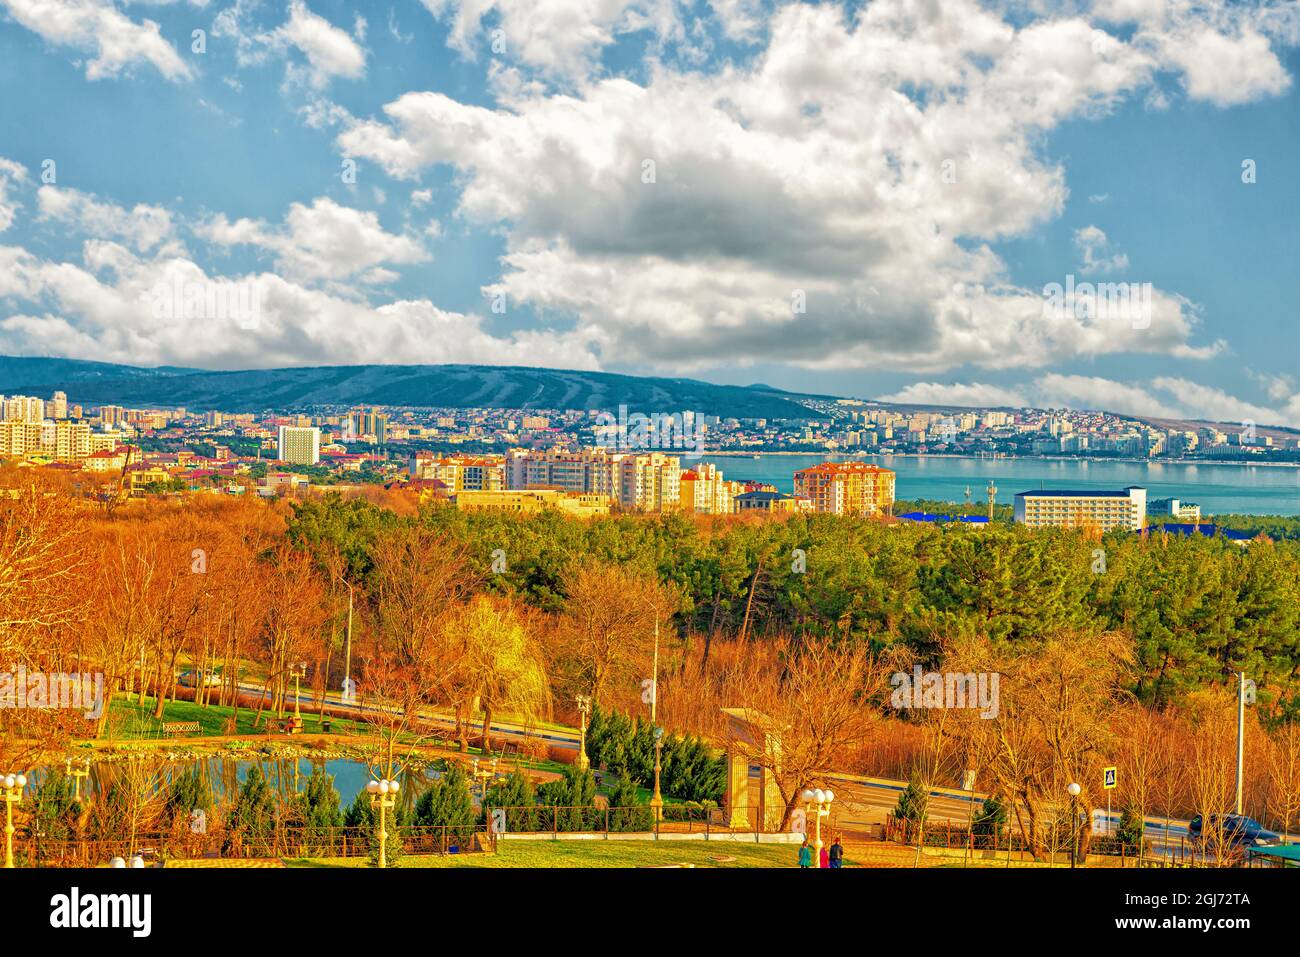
<point x="837" y="854"/>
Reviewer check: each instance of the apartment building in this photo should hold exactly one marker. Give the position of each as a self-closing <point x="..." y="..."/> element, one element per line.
<point x="19" y="438"/>
<point x="460" y="473"/>
<point x="298" y="445"/>
<point x="1101" y="510"/>
<point x="847" y="488"/>
<point x="1175" y="508"/>
<point x="705" y="492"/>
<point x="66" y="441"/>
<point x="530" y="501"/>
<point x="645" y="481"/>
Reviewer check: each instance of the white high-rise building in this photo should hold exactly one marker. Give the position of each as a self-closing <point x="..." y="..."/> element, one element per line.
<point x="299" y="445"/>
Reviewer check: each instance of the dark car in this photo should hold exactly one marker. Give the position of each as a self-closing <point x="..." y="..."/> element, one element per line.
<point x="1235" y="829"/>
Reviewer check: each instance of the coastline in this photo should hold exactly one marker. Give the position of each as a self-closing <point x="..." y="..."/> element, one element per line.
<point x="828" y="456"/>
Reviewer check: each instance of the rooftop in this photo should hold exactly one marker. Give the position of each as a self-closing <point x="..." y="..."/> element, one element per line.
<point x="1080" y="493"/>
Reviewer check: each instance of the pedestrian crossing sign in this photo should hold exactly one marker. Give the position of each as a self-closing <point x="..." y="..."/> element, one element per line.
<point x="1109" y="777"/>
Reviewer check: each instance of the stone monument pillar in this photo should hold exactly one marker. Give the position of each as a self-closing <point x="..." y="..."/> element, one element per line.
<point x="752" y="738"/>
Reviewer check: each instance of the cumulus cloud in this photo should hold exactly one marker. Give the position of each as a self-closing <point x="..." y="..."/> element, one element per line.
<point x="830" y="204"/>
<point x="11" y="175"/>
<point x="323" y="241"/>
<point x="1098" y="254"/>
<point x="962" y="394"/>
<point x="560" y="37"/>
<point x="117" y="43"/>
<point x="1101" y="394"/>
<point x="107" y="309"/>
<point x="1164" y="397"/>
<point x="143" y="227"/>
<point x="329" y="51"/>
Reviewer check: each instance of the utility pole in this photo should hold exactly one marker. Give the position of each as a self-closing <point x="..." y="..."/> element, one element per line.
<point x="993" y="494"/>
<point x="347" y="658"/>
<point x="654" y="678"/>
<point x="1241" y="733"/>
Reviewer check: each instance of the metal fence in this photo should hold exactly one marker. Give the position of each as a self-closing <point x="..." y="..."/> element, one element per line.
<point x="36" y="851"/>
<point x="1107" y="849"/>
<point x="89" y="850"/>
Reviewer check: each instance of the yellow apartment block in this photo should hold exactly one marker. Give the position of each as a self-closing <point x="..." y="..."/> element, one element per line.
<point x="529" y="501"/>
<point x="846" y="488"/>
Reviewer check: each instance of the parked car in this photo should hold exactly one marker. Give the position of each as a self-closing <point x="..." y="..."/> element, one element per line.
<point x="192" y="679"/>
<point x="1236" y="830"/>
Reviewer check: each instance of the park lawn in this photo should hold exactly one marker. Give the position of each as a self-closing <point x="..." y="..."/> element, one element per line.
<point x="133" y="721"/>
<point x="594" y="853"/>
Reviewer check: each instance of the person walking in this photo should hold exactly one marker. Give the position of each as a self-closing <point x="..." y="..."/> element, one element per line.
<point x="825" y="857"/>
<point x="805" y="854"/>
<point x="837" y="854"/>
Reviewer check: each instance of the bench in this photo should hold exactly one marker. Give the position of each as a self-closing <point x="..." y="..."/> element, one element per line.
<point x="180" y="727"/>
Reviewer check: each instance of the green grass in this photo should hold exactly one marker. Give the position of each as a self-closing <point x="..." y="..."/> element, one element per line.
<point x="595" y="853"/>
<point x="132" y="721"/>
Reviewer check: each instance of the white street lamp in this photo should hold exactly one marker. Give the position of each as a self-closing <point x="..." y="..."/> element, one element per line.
<point x="383" y="795"/>
<point x="13" y="794"/>
<point x="821" y="798"/>
<point x="1074" y="790"/>
<point x="117" y="862"/>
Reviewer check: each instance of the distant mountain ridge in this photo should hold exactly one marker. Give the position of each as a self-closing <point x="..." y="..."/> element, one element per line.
<point x="426" y="386"/>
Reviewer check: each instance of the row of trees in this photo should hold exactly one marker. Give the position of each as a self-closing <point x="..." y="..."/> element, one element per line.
<point x="802" y="621"/>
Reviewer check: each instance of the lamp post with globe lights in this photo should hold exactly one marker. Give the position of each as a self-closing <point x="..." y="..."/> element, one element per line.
<point x="1074" y="790"/>
<point x="13" y="793"/>
<point x="657" y="799"/>
<point x="584" y="711"/>
<point x="383" y="795"/>
<point x="299" y="670"/>
<point x="77" y="773"/>
<point x="822" y="799"/>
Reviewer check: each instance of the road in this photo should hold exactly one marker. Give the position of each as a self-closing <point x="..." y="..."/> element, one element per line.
<point x="861" y="802"/>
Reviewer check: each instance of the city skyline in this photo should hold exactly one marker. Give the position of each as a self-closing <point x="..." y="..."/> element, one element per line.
<point x="290" y="177"/>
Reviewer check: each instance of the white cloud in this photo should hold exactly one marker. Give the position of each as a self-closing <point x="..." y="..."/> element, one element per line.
<point x="320" y="242"/>
<point x="116" y="41"/>
<point x="963" y="394"/>
<point x="104" y="310"/>
<point x="1227" y="70"/>
<point x="559" y="37"/>
<point x="329" y="51"/>
<point x="11" y="175"/>
<point x="144" y="227"/>
<point x="1164" y="397"/>
<point x="1098" y="255"/>
<point x="864" y="164"/>
<point x="1207" y="402"/>
<point x="1222" y="51"/>
<point x="1093" y="392"/>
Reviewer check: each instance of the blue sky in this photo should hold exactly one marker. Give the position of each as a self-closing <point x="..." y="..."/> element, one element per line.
<point x="864" y="199"/>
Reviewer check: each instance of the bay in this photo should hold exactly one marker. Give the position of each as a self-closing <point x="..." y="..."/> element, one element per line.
<point x="1217" y="487"/>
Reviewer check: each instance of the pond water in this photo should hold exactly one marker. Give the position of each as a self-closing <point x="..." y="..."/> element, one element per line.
<point x="286" y="776"/>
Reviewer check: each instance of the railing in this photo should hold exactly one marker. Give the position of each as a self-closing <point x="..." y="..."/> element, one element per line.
<point x="947" y="835"/>
<point x="293" y="841"/>
<point x="36" y="851"/>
